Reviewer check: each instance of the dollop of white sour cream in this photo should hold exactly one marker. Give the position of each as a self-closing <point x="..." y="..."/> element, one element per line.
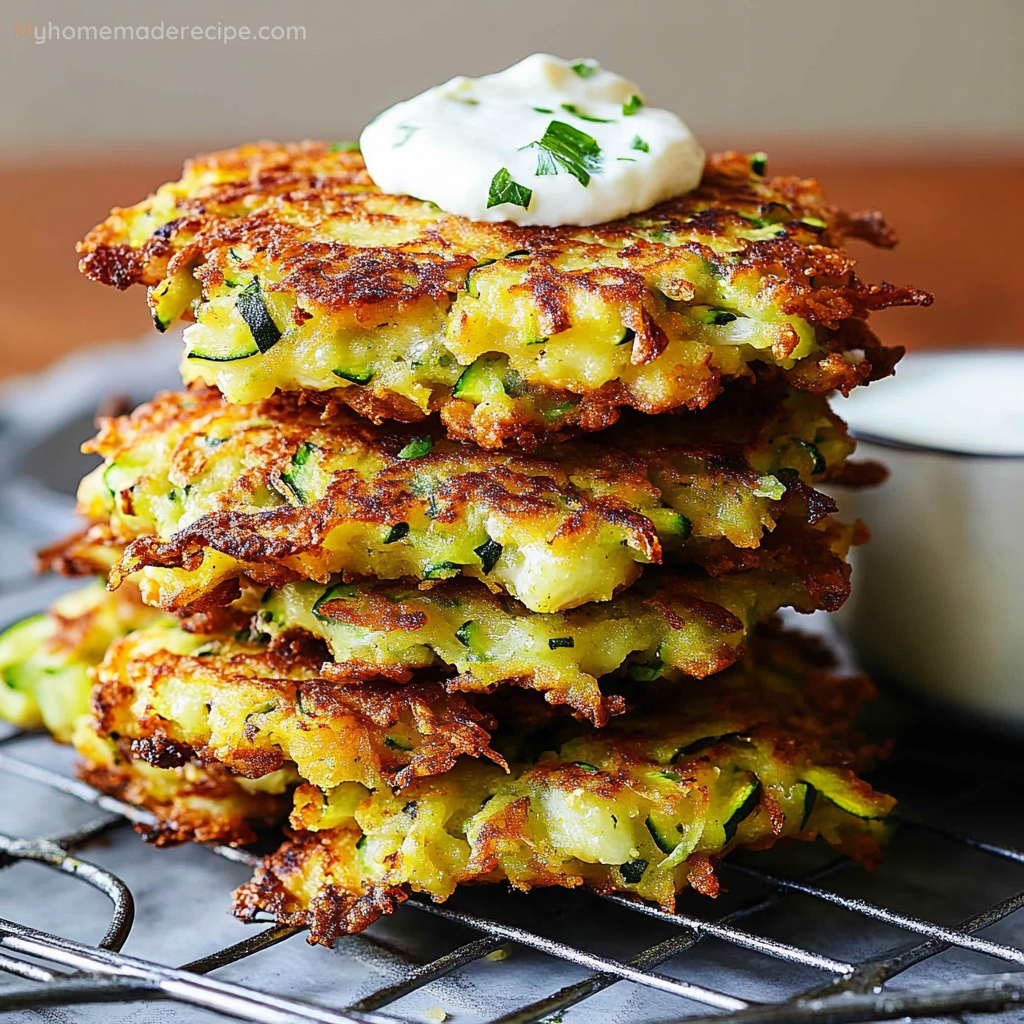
<point x="547" y="141"/>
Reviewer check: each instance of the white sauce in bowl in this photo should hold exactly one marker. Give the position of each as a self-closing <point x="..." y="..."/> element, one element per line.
<point x="547" y="141"/>
<point x="970" y="402"/>
<point x="938" y="590"/>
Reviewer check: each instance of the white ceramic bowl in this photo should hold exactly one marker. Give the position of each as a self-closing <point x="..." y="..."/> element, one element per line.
<point x="938" y="593"/>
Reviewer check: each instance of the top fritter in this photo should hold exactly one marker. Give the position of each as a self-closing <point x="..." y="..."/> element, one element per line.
<point x="302" y="276"/>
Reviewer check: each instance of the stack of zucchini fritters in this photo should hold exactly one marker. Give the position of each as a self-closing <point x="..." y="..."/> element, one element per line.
<point x="460" y="553"/>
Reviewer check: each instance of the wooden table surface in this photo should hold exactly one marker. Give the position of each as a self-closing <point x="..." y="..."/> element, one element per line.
<point x="960" y="225"/>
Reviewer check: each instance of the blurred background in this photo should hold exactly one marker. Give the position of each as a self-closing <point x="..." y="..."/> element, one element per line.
<point x="912" y="106"/>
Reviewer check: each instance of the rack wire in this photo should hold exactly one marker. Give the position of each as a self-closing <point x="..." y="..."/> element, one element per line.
<point x="58" y="971"/>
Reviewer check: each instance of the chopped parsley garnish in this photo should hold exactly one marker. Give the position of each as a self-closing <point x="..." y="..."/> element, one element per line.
<point x="417" y="448"/>
<point x="574" y="110"/>
<point x="632" y="105"/>
<point x="505" y="190"/>
<point x="640" y="145"/>
<point x="759" y="163"/>
<point x="410" y="130"/>
<point x="543" y="110"/>
<point x="585" y="68"/>
<point x="344" y="147"/>
<point x="564" y="148"/>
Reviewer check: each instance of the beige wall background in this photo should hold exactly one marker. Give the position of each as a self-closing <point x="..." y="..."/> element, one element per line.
<point x="898" y="72"/>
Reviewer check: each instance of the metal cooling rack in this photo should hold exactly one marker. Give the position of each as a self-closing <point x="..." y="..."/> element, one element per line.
<point x="61" y="972"/>
<point x="826" y="944"/>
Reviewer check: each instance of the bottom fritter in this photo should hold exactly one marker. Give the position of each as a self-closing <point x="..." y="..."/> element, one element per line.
<point x="205" y="804"/>
<point x="645" y="806"/>
<point x="393" y="787"/>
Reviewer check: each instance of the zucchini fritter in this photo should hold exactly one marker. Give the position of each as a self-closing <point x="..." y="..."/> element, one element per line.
<point x="172" y="698"/>
<point x="190" y="482"/>
<point x="301" y="276"/>
<point x="645" y="806"/>
<point x="670" y="626"/>
<point x="45" y="660"/>
<point x="205" y="804"/>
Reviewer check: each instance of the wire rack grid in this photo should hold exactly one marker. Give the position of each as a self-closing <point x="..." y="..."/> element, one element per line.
<point x="61" y="972"/>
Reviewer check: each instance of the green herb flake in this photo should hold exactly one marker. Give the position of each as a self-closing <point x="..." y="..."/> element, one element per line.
<point x="543" y="110"/>
<point x="563" y="148"/>
<point x="489" y="552"/>
<point x="253" y="310"/>
<point x="759" y="163"/>
<point x="560" y="641"/>
<point x="640" y="145"/>
<point x="571" y="108"/>
<point x="505" y="190"/>
<point x="417" y="448"/>
<point x="589" y="768"/>
<point x="410" y="130"/>
<point x="399" y="531"/>
<point x="632" y="106"/>
<point x="396" y="744"/>
<point x="627" y="159"/>
<point x="585" y="68"/>
<point x="343" y="147"/>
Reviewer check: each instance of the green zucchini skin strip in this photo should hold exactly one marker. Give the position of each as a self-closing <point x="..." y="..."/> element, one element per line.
<point x="253" y="310"/>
